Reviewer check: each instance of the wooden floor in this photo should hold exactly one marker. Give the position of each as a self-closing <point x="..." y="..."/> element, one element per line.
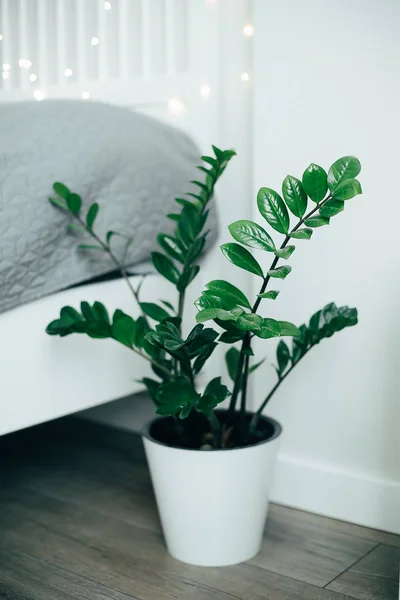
<point x="78" y="521"/>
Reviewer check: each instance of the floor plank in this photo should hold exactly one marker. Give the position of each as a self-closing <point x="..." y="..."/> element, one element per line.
<point x="78" y="521"/>
<point x="375" y="577"/>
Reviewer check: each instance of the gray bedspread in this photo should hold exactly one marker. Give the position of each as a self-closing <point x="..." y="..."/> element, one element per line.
<point x="132" y="165"/>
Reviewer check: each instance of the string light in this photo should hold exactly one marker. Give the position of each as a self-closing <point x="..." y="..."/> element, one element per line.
<point x="6" y="67"/>
<point x="175" y="106"/>
<point x="248" y="30"/>
<point x="85" y="95"/>
<point x="24" y="63"/>
<point x="245" y="76"/>
<point x="5" y="74"/>
<point x="68" y="72"/>
<point x="32" y="77"/>
<point x="39" y="95"/>
<point x="95" y="41"/>
<point x="107" y="5"/>
<point x="205" y="90"/>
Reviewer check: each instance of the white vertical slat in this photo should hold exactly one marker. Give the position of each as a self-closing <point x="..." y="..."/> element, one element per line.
<point x="146" y="38"/>
<point x="123" y="46"/>
<point x="6" y="43"/>
<point x="23" y="43"/>
<point x="81" y="41"/>
<point x="170" y="33"/>
<point x="42" y="68"/>
<point x="102" y="66"/>
<point x="62" y="40"/>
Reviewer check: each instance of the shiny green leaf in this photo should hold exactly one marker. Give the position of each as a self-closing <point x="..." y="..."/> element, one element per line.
<point x="271" y="295"/>
<point x="92" y="214"/>
<point x="74" y="203"/>
<point x="302" y="234"/>
<point x="249" y="322"/>
<point x="270" y="328"/>
<point x="285" y="253"/>
<point x="61" y="190"/>
<point x="288" y="329"/>
<point x="154" y="311"/>
<point x="170" y="246"/>
<point x="241" y="258"/>
<point x="273" y="209"/>
<point x="346" y="189"/>
<point x="315" y="182"/>
<point x="165" y="267"/>
<point x="331" y="208"/>
<point x="280" y="272"/>
<point x="294" y="195"/>
<point x="317" y="221"/>
<point x="251" y="234"/>
<point x="347" y="167"/>
<point x="222" y="287"/>
<point x="123" y="328"/>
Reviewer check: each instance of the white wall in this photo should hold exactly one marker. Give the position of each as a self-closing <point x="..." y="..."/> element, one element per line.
<point x="327" y="84"/>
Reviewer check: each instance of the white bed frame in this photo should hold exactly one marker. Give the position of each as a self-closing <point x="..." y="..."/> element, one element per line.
<point x="178" y="60"/>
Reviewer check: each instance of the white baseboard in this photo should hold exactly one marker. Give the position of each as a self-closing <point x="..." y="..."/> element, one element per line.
<point x="338" y="494"/>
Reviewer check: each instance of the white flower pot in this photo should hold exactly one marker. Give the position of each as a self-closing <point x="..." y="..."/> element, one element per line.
<point x="212" y="504"/>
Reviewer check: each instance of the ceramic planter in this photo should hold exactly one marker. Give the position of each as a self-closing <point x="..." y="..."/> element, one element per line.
<point x="212" y="504"/>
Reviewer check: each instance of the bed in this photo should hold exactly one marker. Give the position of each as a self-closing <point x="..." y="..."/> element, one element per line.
<point x="149" y="57"/>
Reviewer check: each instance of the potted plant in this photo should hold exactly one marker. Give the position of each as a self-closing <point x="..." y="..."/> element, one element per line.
<point x="212" y="467"/>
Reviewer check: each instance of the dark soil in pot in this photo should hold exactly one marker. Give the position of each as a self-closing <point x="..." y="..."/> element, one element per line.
<point x="193" y="433"/>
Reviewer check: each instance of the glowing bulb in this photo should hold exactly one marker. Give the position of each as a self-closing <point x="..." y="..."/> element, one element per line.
<point x="6" y="67"/>
<point x="32" y="77"/>
<point x="248" y="30"/>
<point x="107" y="5"/>
<point x="205" y="90"/>
<point x="68" y="72"/>
<point x="95" y="41"/>
<point x="245" y="76"/>
<point x="85" y="95"/>
<point x="175" y="106"/>
<point x="24" y="63"/>
<point x="5" y="74"/>
<point x="39" y="95"/>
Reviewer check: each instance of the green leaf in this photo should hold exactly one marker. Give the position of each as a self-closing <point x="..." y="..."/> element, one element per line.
<point x="168" y="305"/>
<point x="100" y="312"/>
<point x="249" y="322"/>
<point x="170" y="246"/>
<point x="241" y="258"/>
<point x="151" y="385"/>
<point x="269" y="328"/>
<point x="110" y="235"/>
<point x="317" y="221"/>
<point x="294" y="195"/>
<point x="92" y="214"/>
<point x="289" y="329"/>
<point x="196" y="249"/>
<point x="280" y="272"/>
<point x="315" y="182"/>
<point x="203" y="357"/>
<point x="142" y="328"/>
<point x="346" y="189"/>
<point x="207" y="403"/>
<point x="61" y="190"/>
<point x="186" y="410"/>
<point x="90" y="247"/>
<point x="59" y="202"/>
<point x="154" y="311"/>
<point x="210" y="161"/>
<point x="285" y="253"/>
<point x="87" y="311"/>
<point x="204" y="339"/>
<point x="256" y="365"/>
<point x="165" y="267"/>
<point x="173" y="216"/>
<point x="232" y="362"/>
<point x="282" y="356"/>
<point x="216" y="299"/>
<point x="226" y="288"/>
<point x="273" y="209"/>
<point x="76" y="227"/>
<point x="173" y="396"/>
<point x="347" y="167"/>
<point x="70" y="315"/>
<point x="74" y="203"/>
<point x="189" y="224"/>
<point x="271" y="295"/>
<point x="123" y="328"/>
<point x="251" y="234"/>
<point x="218" y="313"/>
<point x="187" y="277"/>
<point x="331" y="208"/>
<point x="302" y="234"/>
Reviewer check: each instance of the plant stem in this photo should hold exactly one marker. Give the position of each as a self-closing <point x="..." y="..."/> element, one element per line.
<point x="257" y="415"/>
<point x="215" y="427"/>
<point x="106" y="248"/>
<point x="242" y="372"/>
